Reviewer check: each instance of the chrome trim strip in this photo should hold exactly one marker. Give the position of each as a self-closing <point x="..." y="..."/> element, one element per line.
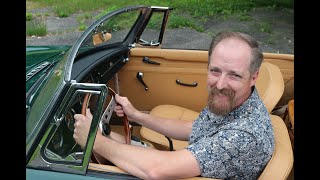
<point x="36" y="70"/>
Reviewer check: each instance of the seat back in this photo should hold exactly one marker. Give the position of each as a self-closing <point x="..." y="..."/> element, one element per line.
<point x="270" y="85"/>
<point x="281" y="162"/>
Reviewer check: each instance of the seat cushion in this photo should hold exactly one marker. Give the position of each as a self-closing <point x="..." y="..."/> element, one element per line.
<point x="169" y="111"/>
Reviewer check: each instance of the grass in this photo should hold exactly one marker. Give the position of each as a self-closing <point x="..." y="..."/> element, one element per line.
<point x="186" y="12"/>
<point x="264" y="27"/>
<point x="36" y="27"/>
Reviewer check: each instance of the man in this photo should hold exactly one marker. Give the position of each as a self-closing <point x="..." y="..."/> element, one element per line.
<point x="231" y="139"/>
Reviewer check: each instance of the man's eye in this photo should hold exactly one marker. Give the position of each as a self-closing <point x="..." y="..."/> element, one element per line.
<point x="236" y="76"/>
<point x="214" y="70"/>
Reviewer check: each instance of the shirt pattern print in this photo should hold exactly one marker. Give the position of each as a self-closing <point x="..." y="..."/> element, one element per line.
<point x="236" y="146"/>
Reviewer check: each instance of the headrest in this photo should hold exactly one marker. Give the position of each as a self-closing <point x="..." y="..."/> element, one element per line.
<point x="270" y="85"/>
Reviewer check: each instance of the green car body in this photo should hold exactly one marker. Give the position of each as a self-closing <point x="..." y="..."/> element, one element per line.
<point x="54" y="76"/>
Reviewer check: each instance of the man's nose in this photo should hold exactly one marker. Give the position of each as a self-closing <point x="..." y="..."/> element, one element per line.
<point x="221" y="83"/>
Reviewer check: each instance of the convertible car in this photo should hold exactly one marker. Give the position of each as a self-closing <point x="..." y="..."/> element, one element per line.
<point x="121" y="53"/>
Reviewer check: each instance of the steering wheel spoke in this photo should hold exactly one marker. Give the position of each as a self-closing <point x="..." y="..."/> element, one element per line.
<point x="108" y="111"/>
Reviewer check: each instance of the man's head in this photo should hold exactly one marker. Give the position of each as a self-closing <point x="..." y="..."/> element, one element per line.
<point x="233" y="68"/>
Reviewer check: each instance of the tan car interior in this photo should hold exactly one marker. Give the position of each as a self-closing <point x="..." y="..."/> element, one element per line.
<point x="270" y="86"/>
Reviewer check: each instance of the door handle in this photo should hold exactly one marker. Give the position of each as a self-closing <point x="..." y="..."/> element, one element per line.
<point x="147" y="60"/>
<point x="140" y="76"/>
<point x="194" y="84"/>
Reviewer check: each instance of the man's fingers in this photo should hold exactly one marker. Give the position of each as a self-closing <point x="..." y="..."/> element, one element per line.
<point x="77" y="117"/>
<point x="88" y="113"/>
<point x="118" y="99"/>
<point x="118" y="108"/>
<point x="121" y="100"/>
<point x="80" y="117"/>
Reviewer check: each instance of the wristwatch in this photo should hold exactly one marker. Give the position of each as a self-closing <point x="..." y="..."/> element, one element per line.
<point x="106" y="129"/>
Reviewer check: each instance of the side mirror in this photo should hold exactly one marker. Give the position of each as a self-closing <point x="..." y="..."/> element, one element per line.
<point x="101" y="37"/>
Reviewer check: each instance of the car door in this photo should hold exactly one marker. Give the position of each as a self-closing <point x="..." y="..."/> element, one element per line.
<point x="155" y="76"/>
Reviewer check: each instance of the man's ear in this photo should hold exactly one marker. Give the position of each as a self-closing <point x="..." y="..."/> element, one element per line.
<point x="254" y="78"/>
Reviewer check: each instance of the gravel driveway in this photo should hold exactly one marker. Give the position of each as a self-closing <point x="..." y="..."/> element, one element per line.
<point x="64" y="31"/>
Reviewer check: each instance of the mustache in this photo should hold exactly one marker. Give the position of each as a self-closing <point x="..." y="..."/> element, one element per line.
<point x="226" y="92"/>
<point x="221" y="108"/>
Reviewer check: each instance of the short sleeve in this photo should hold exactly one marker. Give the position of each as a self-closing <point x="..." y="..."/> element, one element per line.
<point x="198" y="125"/>
<point x="223" y="154"/>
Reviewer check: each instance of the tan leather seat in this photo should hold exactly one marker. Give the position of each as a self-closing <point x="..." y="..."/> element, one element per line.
<point x="281" y="162"/>
<point x="270" y="85"/>
<point x="280" y="165"/>
<point x="168" y="111"/>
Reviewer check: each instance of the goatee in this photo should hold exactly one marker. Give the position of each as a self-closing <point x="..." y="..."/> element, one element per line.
<point x="218" y="106"/>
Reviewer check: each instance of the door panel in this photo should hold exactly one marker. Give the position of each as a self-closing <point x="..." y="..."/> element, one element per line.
<point x="184" y="65"/>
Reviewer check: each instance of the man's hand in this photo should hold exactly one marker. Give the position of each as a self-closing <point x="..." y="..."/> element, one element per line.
<point x="125" y="108"/>
<point x="81" y="127"/>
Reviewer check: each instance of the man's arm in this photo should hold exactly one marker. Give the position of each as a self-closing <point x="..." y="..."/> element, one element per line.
<point x="177" y="129"/>
<point x="147" y="163"/>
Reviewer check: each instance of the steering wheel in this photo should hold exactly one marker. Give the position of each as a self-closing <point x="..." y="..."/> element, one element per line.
<point x="106" y="118"/>
<point x="107" y="114"/>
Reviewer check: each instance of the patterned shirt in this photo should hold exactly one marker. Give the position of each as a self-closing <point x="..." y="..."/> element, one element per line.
<point x="236" y="146"/>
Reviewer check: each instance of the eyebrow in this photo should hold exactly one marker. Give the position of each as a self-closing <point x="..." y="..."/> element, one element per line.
<point x="229" y="72"/>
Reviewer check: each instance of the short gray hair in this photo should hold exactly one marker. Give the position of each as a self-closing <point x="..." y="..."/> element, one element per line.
<point x="256" y="52"/>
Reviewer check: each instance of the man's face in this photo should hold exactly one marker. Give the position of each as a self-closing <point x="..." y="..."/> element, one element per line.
<point x="229" y="81"/>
